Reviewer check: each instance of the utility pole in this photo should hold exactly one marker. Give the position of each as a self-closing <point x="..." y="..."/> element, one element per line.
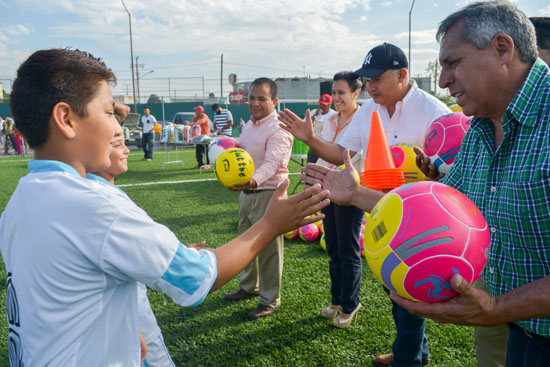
<point x="410" y="12"/>
<point x="131" y="55"/>
<point x="221" y="78"/>
<point x="137" y="77"/>
<point x="203" y="101"/>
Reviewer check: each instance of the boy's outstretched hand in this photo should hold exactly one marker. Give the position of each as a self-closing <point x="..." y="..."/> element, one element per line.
<point x="286" y="214"/>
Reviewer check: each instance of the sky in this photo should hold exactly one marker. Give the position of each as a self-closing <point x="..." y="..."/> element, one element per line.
<point x="179" y="43"/>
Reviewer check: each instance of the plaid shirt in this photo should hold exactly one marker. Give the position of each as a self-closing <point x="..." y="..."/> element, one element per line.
<point x="511" y="187"/>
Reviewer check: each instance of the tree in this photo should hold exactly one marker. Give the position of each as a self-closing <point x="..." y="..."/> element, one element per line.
<point x="434" y="70"/>
<point x="153" y="98"/>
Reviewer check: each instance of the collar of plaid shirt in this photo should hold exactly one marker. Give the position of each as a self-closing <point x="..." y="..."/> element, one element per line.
<point x="511" y="187"/>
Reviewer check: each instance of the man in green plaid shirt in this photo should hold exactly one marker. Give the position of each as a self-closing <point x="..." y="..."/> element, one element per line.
<point x="489" y="63"/>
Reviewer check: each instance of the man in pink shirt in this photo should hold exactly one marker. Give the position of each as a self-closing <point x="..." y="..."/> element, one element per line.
<point x="270" y="147"/>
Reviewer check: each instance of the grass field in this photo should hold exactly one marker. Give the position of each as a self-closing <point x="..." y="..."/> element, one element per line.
<point x="218" y="332"/>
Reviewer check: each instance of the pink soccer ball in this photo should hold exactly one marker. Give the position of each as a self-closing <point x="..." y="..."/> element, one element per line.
<point x="309" y="232"/>
<point x="218" y="146"/>
<point x="443" y="139"/>
<point x="421" y="234"/>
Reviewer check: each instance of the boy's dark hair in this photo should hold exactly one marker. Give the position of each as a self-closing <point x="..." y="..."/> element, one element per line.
<point x="215" y="106"/>
<point x="542" y="30"/>
<point x="354" y="83"/>
<point x="271" y="83"/>
<point x="48" y="77"/>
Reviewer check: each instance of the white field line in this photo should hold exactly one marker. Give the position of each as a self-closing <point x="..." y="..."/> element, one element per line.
<point x="13" y="160"/>
<point x="5" y="159"/>
<point x="176" y="182"/>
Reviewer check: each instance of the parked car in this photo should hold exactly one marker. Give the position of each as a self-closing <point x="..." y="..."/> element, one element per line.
<point x="132" y="130"/>
<point x="179" y="118"/>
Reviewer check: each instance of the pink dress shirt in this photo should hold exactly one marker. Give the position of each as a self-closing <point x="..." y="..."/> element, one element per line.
<point x="270" y="147"/>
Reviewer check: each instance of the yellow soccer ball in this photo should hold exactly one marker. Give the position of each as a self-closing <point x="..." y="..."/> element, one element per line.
<point x="234" y="167"/>
<point x="455" y="108"/>
<point x="404" y="157"/>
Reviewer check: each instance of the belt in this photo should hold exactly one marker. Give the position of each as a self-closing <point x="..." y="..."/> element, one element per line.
<point x="255" y="191"/>
<point x="529" y="333"/>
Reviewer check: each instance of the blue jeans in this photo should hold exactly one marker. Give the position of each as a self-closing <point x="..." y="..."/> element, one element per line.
<point x="410" y="346"/>
<point x="147" y="144"/>
<point x="342" y="225"/>
<point x="526" y="350"/>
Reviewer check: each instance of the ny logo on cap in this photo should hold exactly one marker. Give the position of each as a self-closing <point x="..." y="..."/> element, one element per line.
<point x="367" y="58"/>
<point x="395" y="62"/>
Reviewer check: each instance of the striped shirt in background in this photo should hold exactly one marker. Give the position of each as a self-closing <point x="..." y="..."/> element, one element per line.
<point x="222" y="119"/>
<point x="511" y="186"/>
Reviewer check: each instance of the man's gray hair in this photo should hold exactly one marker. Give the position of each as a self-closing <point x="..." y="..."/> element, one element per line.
<point x="484" y="20"/>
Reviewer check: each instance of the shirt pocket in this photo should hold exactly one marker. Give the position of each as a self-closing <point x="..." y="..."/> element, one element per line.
<point x="523" y="212"/>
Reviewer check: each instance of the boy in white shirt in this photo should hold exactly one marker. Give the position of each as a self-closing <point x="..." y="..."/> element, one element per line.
<point x="75" y="249"/>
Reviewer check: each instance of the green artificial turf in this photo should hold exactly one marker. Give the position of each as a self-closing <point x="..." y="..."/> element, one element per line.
<point x="218" y="332"/>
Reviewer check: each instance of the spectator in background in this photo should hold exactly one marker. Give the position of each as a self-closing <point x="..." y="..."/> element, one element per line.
<point x="9" y="128"/>
<point x="318" y="117"/>
<point x="241" y="125"/>
<point x="1" y="130"/>
<point x="223" y="120"/>
<point x="18" y="140"/>
<point x="148" y="122"/>
<point x="542" y="30"/>
<point x="203" y="121"/>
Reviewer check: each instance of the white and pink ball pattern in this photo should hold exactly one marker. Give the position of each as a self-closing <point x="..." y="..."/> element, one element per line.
<point x="218" y="146"/>
<point x="443" y="139"/>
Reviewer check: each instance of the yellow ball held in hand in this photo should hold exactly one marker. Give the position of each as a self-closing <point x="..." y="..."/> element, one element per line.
<point x="234" y="167"/>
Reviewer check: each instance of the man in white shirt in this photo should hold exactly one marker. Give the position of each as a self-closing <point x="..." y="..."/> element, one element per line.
<point x="406" y="111"/>
<point x="148" y="122"/>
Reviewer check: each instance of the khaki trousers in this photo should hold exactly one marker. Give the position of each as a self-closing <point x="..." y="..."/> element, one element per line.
<point x="264" y="273"/>
<point x="490" y="342"/>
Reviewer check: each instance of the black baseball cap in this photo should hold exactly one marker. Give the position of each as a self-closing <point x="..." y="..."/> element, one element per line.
<point x="382" y="58"/>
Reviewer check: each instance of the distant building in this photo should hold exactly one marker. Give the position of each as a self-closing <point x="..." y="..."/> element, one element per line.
<point x="308" y="89"/>
<point x="424" y="83"/>
<point x="297" y="88"/>
<point x="124" y="99"/>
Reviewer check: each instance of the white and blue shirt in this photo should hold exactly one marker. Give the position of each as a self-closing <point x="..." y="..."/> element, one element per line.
<point x="74" y="251"/>
<point x="221" y="120"/>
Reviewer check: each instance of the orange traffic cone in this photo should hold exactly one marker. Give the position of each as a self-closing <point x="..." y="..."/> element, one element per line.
<point x="380" y="172"/>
